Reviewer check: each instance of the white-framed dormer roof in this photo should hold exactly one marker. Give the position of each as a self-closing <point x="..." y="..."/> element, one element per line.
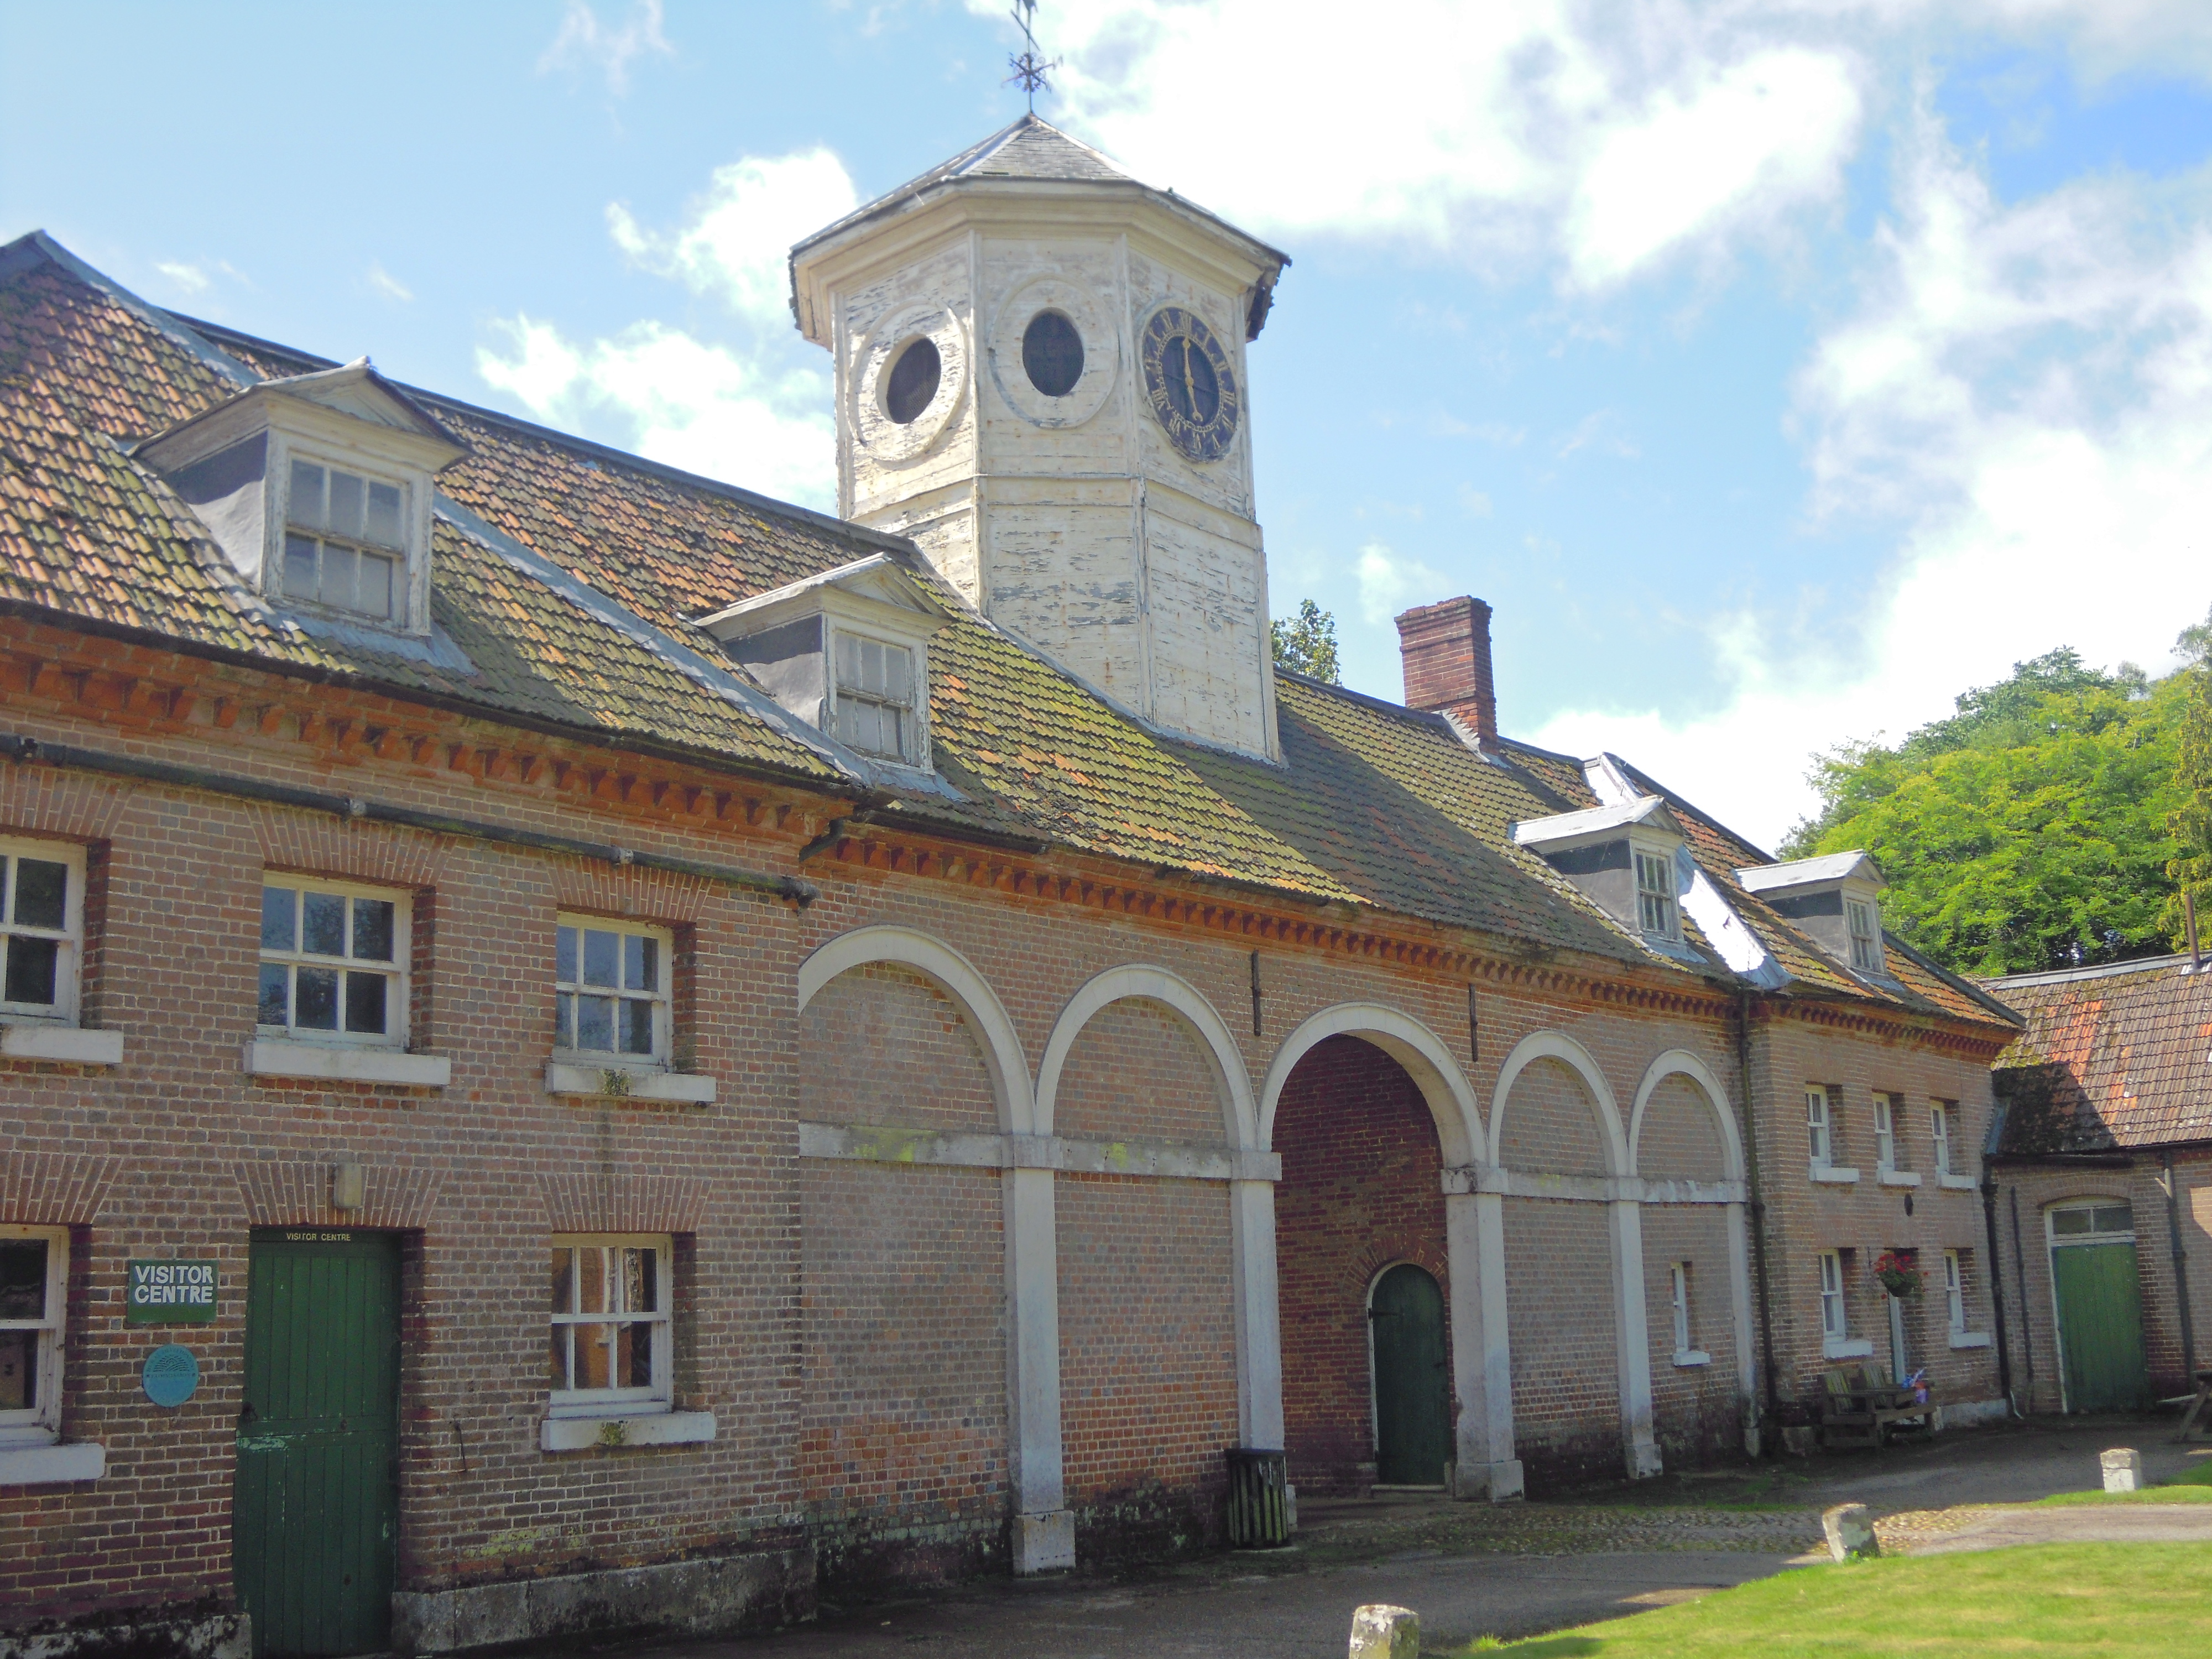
<point x="877" y="590"/>
<point x="1856" y="867"/>
<point x="353" y="390"/>
<point x="1596" y="823"/>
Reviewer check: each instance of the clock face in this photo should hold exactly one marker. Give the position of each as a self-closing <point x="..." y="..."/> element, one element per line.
<point x="1189" y="384"/>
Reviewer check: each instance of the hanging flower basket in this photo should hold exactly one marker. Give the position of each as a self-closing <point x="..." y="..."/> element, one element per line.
<point x="1897" y="1273"/>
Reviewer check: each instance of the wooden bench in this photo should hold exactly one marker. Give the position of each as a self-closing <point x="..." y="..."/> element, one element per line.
<point x="1857" y="1408"/>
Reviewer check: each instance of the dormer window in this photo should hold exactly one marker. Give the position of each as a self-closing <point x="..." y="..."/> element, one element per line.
<point x="1628" y="858"/>
<point x="345" y="546"/>
<point x="1655" y="895"/>
<point x="1835" y="900"/>
<point x="317" y="490"/>
<point x="1866" y="935"/>
<point x="848" y="652"/>
<point x="874" y="697"/>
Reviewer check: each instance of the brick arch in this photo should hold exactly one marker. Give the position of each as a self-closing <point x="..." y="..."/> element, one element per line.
<point x="1678" y="1062"/>
<point x="1555" y="1045"/>
<point x="1240" y="1119"/>
<point x="1406" y="1041"/>
<point x="955" y="975"/>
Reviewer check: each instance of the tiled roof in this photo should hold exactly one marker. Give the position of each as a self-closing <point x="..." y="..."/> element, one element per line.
<point x="2113" y="1058"/>
<point x="567" y="578"/>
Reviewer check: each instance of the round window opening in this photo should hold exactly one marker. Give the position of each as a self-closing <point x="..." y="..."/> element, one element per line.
<point x="1052" y="352"/>
<point x="913" y="382"/>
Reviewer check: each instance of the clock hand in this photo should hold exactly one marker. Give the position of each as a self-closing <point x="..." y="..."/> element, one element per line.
<point x="1189" y="381"/>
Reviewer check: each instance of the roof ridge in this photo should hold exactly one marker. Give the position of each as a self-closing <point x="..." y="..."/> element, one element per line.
<point x="2100" y="970"/>
<point x="17" y="255"/>
<point x="842" y="527"/>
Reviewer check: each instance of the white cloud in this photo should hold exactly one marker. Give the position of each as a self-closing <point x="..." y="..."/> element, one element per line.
<point x="2024" y="389"/>
<point x="736" y="237"/>
<point x="753" y="411"/>
<point x="191" y="278"/>
<point x="1609" y="139"/>
<point x="678" y="400"/>
<point x="584" y="41"/>
<point x="1390" y="582"/>
<point x="388" y="285"/>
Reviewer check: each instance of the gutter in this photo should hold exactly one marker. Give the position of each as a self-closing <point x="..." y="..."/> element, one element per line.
<point x="1756" y="1203"/>
<point x="32" y="751"/>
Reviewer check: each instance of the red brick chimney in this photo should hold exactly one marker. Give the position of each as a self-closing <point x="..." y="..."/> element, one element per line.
<point x="1445" y="649"/>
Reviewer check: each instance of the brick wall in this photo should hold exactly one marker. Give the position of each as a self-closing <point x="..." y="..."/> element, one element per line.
<point x="1148" y="1361"/>
<point x="1360" y="1192"/>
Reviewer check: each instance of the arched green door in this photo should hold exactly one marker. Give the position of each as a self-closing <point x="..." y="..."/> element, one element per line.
<point x="1413" y="1384"/>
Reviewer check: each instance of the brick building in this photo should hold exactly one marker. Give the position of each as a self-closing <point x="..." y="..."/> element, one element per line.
<point x="2101" y="1185"/>
<point x="585" y="1048"/>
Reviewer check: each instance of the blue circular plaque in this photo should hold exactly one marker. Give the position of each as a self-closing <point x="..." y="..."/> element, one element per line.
<point x="171" y="1375"/>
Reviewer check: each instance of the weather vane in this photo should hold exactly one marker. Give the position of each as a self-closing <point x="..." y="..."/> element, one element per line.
<point x="1029" y="69"/>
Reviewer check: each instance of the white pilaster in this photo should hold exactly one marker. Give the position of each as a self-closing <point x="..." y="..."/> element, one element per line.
<point x="1632" y="1339"/>
<point x="1746" y="1364"/>
<point x="1044" y="1528"/>
<point x="1482" y="1368"/>
<point x="1259" y="1320"/>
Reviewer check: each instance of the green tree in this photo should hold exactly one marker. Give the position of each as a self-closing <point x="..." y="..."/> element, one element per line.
<point x="2190" y="820"/>
<point x="2031" y="829"/>
<point x="1306" y="643"/>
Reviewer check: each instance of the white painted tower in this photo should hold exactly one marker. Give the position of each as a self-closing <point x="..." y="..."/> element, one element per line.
<point x="1041" y="378"/>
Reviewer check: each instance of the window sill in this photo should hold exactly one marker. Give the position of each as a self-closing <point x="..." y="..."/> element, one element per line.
<point x="1898" y="1177"/>
<point x="1952" y="1183"/>
<point x="33" y="1041"/>
<point x="1970" y="1339"/>
<point x="560" y="1434"/>
<point x="1846" y="1347"/>
<point x="1686" y="1359"/>
<point x="43" y="1466"/>
<point x="1834" y="1175"/>
<point x="564" y="1077"/>
<point x="281" y="1057"/>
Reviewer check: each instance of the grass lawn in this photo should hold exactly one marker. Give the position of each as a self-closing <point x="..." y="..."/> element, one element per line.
<point x="2192" y="1485"/>
<point x="2111" y="1600"/>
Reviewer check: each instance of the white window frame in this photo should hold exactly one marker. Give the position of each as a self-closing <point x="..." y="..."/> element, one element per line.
<point x="1955" y="1291"/>
<point x="2095" y="1235"/>
<point x="40" y="1425"/>
<point x="293" y="452"/>
<point x="661" y="1397"/>
<point x="910" y="744"/>
<point x="1835" y="1314"/>
<point x="662" y="999"/>
<point x="1939" y="1130"/>
<point x="398" y="973"/>
<point x="1865" y="942"/>
<point x="1819" y="1125"/>
<point x="1884" y="1131"/>
<point x="69" y="964"/>
<point x="1664" y="900"/>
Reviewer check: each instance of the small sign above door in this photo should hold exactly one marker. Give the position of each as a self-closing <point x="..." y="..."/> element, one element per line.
<point x="169" y="1293"/>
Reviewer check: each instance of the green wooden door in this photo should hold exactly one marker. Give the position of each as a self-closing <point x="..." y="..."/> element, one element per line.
<point x="315" y="1516"/>
<point x="2101" y="1327"/>
<point x="1413" y="1386"/>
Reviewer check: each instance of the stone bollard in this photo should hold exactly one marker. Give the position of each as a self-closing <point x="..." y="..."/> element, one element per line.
<point x="1382" y="1632"/>
<point x="2123" y="1470"/>
<point x="1851" y="1532"/>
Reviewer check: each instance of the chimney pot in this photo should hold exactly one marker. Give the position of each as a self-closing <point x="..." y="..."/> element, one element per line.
<point x="1445" y="651"/>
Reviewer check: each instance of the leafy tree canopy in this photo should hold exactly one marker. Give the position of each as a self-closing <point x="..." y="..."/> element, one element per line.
<point x="2031" y="829"/>
<point x="1306" y="643"/>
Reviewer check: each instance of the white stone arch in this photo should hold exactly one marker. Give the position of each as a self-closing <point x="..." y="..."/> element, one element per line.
<point x="1231" y="1082"/>
<point x="1557" y="1045"/>
<point x="1414" y="1046"/>
<point x="1680" y="1062"/>
<point x="955" y="975"/>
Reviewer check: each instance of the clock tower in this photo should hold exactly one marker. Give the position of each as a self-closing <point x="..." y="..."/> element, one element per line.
<point x="1041" y="380"/>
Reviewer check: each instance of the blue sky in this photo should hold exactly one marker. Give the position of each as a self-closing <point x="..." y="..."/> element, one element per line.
<point x="1777" y="368"/>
